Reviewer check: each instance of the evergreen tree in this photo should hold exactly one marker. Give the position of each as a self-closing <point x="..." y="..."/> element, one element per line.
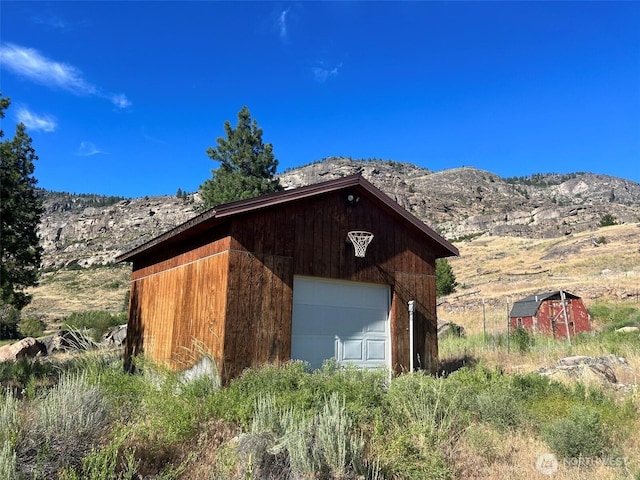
<point x="247" y="165"/>
<point x="20" y="211"/>
<point x="445" y="279"/>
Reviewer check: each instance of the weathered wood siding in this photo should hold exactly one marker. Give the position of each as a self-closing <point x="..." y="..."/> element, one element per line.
<point x="422" y="289"/>
<point x="259" y="303"/>
<point x="178" y="313"/>
<point x="551" y="318"/>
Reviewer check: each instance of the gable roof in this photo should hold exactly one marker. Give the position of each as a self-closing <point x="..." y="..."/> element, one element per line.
<point x="227" y="211"/>
<point x="528" y="306"/>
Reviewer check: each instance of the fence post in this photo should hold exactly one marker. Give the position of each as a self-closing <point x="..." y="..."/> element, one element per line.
<point x="508" y="329"/>
<point x="484" y="324"/>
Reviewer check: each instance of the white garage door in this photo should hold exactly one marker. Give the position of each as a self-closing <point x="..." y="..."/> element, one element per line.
<point x="345" y="320"/>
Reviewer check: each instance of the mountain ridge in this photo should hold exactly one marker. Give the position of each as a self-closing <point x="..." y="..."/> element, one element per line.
<point x="459" y="203"/>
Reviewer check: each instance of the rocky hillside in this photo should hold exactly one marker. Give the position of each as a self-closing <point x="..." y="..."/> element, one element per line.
<point x="89" y="230"/>
<point x="461" y="203"/>
<point x="465" y="202"/>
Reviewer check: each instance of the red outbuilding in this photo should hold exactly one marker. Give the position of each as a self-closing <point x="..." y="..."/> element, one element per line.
<point x="551" y="313"/>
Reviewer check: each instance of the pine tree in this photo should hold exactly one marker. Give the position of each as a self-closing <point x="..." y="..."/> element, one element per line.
<point x="445" y="279"/>
<point x="20" y="211"/>
<point x="247" y="165"/>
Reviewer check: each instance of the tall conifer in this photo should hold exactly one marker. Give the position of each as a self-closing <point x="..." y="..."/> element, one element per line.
<point x="247" y="165"/>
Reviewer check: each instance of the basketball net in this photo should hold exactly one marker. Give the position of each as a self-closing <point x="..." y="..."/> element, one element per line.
<point x="361" y="241"/>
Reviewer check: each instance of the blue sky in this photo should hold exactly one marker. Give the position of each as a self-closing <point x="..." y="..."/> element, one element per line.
<point x="123" y="98"/>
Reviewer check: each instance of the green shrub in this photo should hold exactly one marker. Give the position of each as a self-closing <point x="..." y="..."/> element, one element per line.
<point x="9" y="319"/>
<point x="615" y="315"/>
<point x="607" y="220"/>
<point x="98" y="322"/>
<point x="24" y="369"/>
<point x="412" y="454"/>
<point x="9" y="422"/>
<point x="445" y="279"/>
<point x="295" y="387"/>
<point x="8" y="462"/>
<point x="337" y="449"/>
<point x="69" y="420"/>
<point x="581" y="434"/>
<point x="486" y="442"/>
<point x="324" y="446"/>
<point x="500" y="408"/>
<point x="31" y="327"/>
<point x="102" y="463"/>
<point x="522" y="339"/>
<point x="420" y="421"/>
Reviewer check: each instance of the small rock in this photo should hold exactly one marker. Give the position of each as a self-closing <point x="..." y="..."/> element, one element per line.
<point x="628" y="330"/>
<point x="115" y="337"/>
<point x="205" y="368"/>
<point x="446" y="328"/>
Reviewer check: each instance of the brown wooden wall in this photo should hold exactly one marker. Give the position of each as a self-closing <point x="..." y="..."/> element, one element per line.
<point x="259" y="305"/>
<point x="178" y="314"/>
<point x="233" y="294"/>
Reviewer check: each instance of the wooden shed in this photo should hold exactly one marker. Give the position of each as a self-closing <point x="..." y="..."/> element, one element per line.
<point x="275" y="278"/>
<point x="551" y="313"/>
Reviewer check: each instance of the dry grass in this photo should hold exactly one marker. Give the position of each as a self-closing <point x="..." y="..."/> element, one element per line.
<point x="497" y="267"/>
<point x="500" y="269"/>
<point x="485" y="454"/>
<point x="63" y="292"/>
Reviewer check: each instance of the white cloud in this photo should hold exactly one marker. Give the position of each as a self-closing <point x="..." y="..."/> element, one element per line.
<point x="282" y="23"/>
<point x="322" y="73"/>
<point x="30" y="64"/>
<point x="120" y="100"/>
<point x="88" y="149"/>
<point x="46" y="123"/>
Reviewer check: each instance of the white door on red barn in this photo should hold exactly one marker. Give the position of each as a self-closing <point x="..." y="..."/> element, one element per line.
<point x="348" y="321"/>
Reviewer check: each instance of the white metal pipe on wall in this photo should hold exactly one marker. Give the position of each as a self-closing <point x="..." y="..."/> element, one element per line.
<point x="412" y="308"/>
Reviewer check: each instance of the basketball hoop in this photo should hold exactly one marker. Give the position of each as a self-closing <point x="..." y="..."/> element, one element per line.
<point x="361" y="241"/>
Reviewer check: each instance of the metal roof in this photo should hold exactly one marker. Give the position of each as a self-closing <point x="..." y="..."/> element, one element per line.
<point x="215" y="216"/>
<point x="528" y="306"/>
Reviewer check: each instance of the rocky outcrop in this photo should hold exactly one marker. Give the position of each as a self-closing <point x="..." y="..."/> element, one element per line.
<point x="61" y="341"/>
<point x="463" y="202"/>
<point x="588" y="370"/>
<point x="450" y="329"/>
<point x="76" y="233"/>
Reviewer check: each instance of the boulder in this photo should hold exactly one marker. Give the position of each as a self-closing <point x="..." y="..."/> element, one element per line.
<point x="205" y="368"/>
<point x="27" y="347"/>
<point x="65" y="341"/>
<point x="446" y="328"/>
<point x="586" y="369"/>
<point x="115" y="337"/>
